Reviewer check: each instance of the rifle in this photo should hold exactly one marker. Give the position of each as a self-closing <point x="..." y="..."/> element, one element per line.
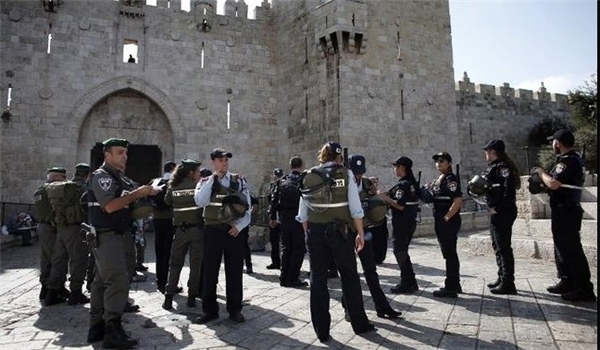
<point x="90" y="235"/>
<point x="346" y="164"/>
<point x="418" y="189"/>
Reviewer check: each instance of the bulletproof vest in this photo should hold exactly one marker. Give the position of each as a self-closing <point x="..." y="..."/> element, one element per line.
<point x="41" y="206"/>
<point x="64" y="199"/>
<point x="211" y="213"/>
<point x="185" y="210"/>
<point x="566" y="194"/>
<point x="374" y="207"/>
<point x="288" y="192"/>
<point x="119" y="220"/>
<point x="326" y="210"/>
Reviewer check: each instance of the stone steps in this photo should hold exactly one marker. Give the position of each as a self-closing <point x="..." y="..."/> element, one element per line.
<point x="528" y="248"/>
<point x="540" y="229"/>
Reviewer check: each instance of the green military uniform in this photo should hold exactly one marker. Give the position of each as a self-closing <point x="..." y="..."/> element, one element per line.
<point x="187" y="218"/>
<point x="70" y="252"/>
<point x="46" y="230"/>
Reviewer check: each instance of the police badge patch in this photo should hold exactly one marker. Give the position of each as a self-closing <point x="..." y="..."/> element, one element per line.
<point x="399" y="194"/>
<point x="560" y="167"/>
<point x="105" y="183"/>
<point x="504" y="172"/>
<point x="452" y="186"/>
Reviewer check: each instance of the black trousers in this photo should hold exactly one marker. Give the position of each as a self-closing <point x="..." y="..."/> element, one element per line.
<point x="571" y="262"/>
<point x="275" y="239"/>
<point x="380" y="241"/>
<point x="218" y="244"/>
<point x="403" y="229"/>
<point x="501" y="232"/>
<point x="447" y="236"/>
<point x="367" y="260"/>
<point x="293" y="247"/>
<point x="323" y="242"/>
<point x="163" y="239"/>
<point x="245" y="234"/>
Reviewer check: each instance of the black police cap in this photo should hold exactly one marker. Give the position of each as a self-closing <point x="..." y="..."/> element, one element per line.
<point x="220" y="153"/>
<point x="496" y="145"/>
<point x="405" y="161"/>
<point x="443" y="155"/>
<point x="563" y="136"/>
<point x="204" y="172"/>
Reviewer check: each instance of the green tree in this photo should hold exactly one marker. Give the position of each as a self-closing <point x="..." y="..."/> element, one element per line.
<point x="584" y="104"/>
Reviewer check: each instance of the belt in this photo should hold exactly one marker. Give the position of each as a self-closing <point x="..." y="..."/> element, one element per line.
<point x="334" y="205"/>
<point x="185" y="226"/>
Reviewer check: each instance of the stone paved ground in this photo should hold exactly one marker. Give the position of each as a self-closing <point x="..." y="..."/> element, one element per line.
<point x="279" y="318"/>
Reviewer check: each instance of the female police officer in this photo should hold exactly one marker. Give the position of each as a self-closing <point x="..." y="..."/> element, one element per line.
<point x="447" y="200"/>
<point x="329" y="202"/>
<point x="187" y="219"/>
<point x="503" y="181"/>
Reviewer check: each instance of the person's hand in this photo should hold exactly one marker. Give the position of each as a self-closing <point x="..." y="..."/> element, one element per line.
<point x="536" y="170"/>
<point x="233" y="231"/>
<point x="147" y="190"/>
<point x="272" y="223"/>
<point x="359" y="242"/>
<point x="492" y="211"/>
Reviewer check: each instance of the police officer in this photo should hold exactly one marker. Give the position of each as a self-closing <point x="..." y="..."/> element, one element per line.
<point x="292" y="234"/>
<point x="221" y="195"/>
<point x="163" y="227"/>
<point x="447" y="201"/>
<point x="403" y="201"/>
<point x="274" y="225"/>
<point x="46" y="229"/>
<point x="329" y="202"/>
<point x="189" y="235"/>
<point x="503" y="180"/>
<point x="366" y="190"/>
<point x="70" y="253"/>
<point x="564" y="182"/>
<point x="245" y="233"/>
<point x="110" y="193"/>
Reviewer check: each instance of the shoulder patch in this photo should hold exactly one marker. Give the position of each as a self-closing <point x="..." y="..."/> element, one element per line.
<point x="105" y="182"/>
<point x="504" y="172"/>
<point x="452" y="186"/>
<point x="560" y="167"/>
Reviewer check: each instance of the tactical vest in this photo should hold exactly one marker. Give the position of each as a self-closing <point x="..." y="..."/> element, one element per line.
<point x="64" y="198"/>
<point x="211" y="211"/>
<point x="41" y="206"/>
<point x="185" y="210"/>
<point x="320" y="211"/>
<point x="161" y="210"/>
<point x="119" y="220"/>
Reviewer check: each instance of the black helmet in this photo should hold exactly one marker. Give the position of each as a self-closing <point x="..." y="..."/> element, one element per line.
<point x="234" y="207"/>
<point x="425" y="195"/>
<point x="477" y="188"/>
<point x="536" y="185"/>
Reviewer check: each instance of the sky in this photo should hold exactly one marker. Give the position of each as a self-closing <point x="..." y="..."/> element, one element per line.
<point x="521" y="42"/>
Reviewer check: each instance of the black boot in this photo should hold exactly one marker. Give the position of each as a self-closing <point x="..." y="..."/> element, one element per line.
<point x="494" y="284"/>
<point x="504" y="288"/>
<point x="115" y="336"/>
<point x="43" y="292"/>
<point x="168" y="303"/>
<point x="53" y="297"/>
<point x="77" y="297"/>
<point x="96" y="332"/>
<point x="562" y="287"/>
<point x="191" y="301"/>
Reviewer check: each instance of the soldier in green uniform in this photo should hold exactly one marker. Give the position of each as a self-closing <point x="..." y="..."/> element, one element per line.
<point x="70" y="251"/>
<point x="46" y="226"/>
<point x="329" y="202"/>
<point x="110" y="193"/>
<point x="189" y="235"/>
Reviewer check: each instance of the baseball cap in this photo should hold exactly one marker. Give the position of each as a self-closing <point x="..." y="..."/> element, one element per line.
<point x="357" y="164"/>
<point x="496" y="145"/>
<point x="443" y="155"/>
<point x="278" y="172"/>
<point x="220" y="153"/>
<point x="335" y="147"/>
<point x="563" y="136"/>
<point x="407" y="162"/>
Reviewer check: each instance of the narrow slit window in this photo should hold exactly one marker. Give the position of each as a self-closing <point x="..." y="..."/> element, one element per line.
<point x="130" y="51"/>
<point x="8" y="98"/>
<point x="228" y="114"/>
<point x="202" y="57"/>
<point x="49" y="43"/>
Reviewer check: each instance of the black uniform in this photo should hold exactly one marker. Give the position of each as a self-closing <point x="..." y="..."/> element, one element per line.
<point x="404" y="224"/>
<point x="571" y="262"/>
<point x="274" y="235"/>
<point x="502" y="198"/>
<point x="445" y="189"/>
<point x="164" y="232"/>
<point x="292" y="235"/>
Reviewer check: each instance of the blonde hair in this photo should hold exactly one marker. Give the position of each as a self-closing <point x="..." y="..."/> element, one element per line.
<point x="327" y="154"/>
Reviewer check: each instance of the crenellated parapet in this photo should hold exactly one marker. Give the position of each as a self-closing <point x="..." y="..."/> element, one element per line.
<point x="505" y="95"/>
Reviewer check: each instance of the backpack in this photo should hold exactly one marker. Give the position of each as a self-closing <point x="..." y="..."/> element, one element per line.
<point x="42" y="210"/>
<point x="289" y="191"/>
<point x="64" y="197"/>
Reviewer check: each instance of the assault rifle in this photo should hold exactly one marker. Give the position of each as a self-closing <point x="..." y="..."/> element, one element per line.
<point x="346" y="164"/>
<point x="418" y="206"/>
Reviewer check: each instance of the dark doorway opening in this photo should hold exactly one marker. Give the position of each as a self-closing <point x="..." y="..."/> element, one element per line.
<point x="143" y="162"/>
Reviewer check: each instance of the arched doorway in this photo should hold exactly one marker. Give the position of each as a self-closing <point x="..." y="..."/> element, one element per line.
<point x="130" y="115"/>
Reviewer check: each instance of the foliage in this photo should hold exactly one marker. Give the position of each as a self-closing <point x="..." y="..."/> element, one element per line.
<point x="584" y="104"/>
<point x="538" y="135"/>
